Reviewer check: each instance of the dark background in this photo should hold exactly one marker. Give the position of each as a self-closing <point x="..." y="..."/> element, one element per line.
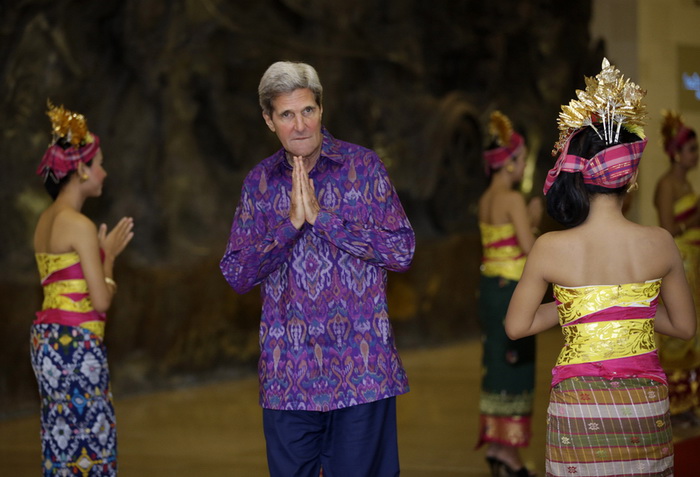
<point x="171" y="88"/>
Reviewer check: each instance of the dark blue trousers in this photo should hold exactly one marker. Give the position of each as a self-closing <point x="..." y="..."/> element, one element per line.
<point x="358" y="441"/>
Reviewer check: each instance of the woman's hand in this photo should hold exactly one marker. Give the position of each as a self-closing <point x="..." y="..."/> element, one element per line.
<point x="114" y="242"/>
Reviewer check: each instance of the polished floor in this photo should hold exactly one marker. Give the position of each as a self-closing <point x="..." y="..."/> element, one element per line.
<point x="215" y="429"/>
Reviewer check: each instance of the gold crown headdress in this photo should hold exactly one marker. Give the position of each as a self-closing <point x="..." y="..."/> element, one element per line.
<point x="500" y="128"/>
<point x="60" y="159"/>
<point x="69" y="125"/>
<point x="670" y="124"/>
<point x="609" y="103"/>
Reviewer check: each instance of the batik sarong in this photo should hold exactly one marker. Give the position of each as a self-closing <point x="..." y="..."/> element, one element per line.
<point x="78" y="430"/>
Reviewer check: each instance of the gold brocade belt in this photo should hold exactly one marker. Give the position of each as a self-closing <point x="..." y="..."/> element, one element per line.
<point x="590" y="342"/>
<point x="510" y="269"/>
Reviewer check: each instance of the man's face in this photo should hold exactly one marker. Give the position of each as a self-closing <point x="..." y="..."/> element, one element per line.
<point x="296" y="119"/>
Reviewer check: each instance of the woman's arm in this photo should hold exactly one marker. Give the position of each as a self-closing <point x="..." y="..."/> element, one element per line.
<point x="83" y="237"/>
<point x="526" y="315"/>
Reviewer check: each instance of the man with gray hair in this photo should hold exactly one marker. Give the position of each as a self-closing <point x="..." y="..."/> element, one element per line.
<point x="318" y="225"/>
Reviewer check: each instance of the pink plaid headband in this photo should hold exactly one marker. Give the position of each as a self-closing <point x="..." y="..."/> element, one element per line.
<point x="58" y="162"/>
<point x="497" y="157"/>
<point x="610" y="168"/>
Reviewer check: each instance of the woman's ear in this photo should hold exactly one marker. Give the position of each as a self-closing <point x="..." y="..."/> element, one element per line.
<point x="82" y="171"/>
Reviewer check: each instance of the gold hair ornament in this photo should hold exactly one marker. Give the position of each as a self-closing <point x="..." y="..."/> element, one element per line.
<point x="609" y="102"/>
<point x="69" y="125"/>
<point x="670" y="124"/>
<point x="500" y="128"/>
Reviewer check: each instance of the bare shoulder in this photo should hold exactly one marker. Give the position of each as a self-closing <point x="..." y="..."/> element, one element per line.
<point x="549" y="245"/>
<point x="555" y="239"/>
<point x="657" y="236"/>
<point x="513" y="196"/>
<point x="73" y="223"/>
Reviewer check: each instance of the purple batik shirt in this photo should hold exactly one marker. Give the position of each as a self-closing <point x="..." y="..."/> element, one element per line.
<point x="325" y="337"/>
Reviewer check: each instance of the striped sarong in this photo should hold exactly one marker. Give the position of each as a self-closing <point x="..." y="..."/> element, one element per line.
<point x="609" y="427"/>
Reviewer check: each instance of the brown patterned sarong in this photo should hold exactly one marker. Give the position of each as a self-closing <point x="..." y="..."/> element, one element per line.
<point x="609" y="427"/>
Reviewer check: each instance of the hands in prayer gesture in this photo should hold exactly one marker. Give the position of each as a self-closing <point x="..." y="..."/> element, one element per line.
<point x="304" y="207"/>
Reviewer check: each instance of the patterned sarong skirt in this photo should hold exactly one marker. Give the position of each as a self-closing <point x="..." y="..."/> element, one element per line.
<point x="78" y="429"/>
<point x="603" y="427"/>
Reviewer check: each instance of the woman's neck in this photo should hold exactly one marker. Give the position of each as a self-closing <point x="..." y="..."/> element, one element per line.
<point x="605" y="207"/>
<point x="71" y="197"/>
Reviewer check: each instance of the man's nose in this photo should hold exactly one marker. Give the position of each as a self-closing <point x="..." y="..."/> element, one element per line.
<point x="299" y="122"/>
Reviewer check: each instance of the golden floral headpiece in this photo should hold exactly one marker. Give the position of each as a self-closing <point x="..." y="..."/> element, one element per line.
<point x="509" y="142"/>
<point x="69" y="125"/>
<point x="80" y="144"/>
<point x="609" y="103"/>
<point x="500" y="128"/>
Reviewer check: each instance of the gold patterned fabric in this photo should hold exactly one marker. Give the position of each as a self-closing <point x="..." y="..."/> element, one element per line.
<point x="502" y="256"/>
<point x="605" y="339"/>
<point x="66" y="296"/>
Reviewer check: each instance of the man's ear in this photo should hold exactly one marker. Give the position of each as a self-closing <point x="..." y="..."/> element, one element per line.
<point x="268" y="121"/>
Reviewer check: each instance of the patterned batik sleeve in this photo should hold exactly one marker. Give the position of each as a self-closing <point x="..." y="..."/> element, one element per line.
<point x="371" y="223"/>
<point x="260" y="239"/>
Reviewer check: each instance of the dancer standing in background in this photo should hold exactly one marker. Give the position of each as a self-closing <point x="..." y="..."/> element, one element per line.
<point x="608" y="412"/>
<point x="506" y="225"/>
<point x="75" y="260"/>
<point x="679" y="213"/>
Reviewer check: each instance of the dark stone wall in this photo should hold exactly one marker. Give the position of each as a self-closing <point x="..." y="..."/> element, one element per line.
<point x="170" y="86"/>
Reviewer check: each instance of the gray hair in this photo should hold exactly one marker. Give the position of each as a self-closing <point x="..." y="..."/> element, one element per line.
<point x="285" y="77"/>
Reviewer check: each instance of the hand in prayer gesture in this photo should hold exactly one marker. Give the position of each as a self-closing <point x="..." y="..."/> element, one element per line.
<point x="304" y="207"/>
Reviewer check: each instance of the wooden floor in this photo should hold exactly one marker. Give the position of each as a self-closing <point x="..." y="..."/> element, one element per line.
<point x="215" y="429"/>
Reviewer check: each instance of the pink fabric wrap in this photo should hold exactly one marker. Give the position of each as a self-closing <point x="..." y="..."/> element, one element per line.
<point x="58" y="162"/>
<point x="497" y="157"/>
<point x="643" y="366"/>
<point x="610" y="168"/>
<point x="68" y="318"/>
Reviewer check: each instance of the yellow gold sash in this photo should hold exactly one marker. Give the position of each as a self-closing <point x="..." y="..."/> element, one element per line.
<point x="51" y="262"/>
<point x="589" y="342"/>
<point x="507" y="261"/>
<point x="581" y="301"/>
<point x="510" y="269"/>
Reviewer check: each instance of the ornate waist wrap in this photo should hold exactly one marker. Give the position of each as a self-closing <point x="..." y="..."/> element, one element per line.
<point x="590" y="342"/>
<point x="503" y="257"/>
<point x="66" y="296"/>
<point x="608" y="331"/>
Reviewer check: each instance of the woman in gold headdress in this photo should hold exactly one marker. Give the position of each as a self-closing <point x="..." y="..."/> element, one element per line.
<point x="679" y="213"/>
<point x="506" y="224"/>
<point x="75" y="260"/>
<point x="608" y="411"/>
